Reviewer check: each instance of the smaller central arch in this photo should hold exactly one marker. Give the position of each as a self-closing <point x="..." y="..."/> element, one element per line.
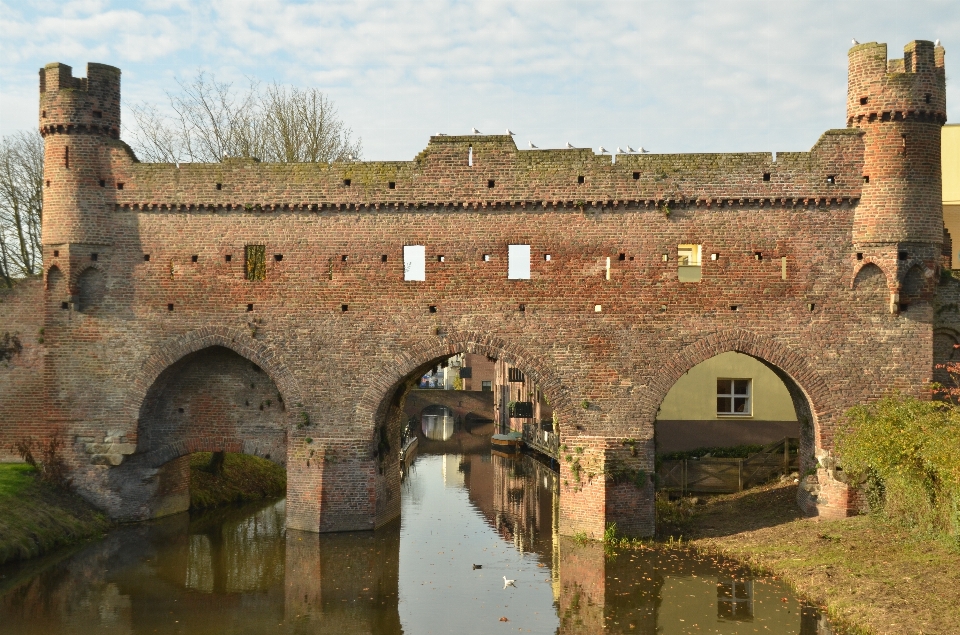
<point x="380" y="410"/>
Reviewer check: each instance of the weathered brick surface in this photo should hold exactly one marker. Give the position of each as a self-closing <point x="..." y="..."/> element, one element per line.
<point x="826" y="278"/>
<point x="21" y="375"/>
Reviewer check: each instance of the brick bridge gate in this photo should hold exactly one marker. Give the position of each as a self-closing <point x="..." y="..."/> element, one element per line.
<point x="284" y="309"/>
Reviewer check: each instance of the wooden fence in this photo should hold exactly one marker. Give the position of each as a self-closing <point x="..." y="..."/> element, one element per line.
<point x="725" y="476"/>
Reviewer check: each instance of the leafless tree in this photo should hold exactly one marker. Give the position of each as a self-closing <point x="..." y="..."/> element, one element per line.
<point x="211" y="121"/>
<point x="21" y="205"/>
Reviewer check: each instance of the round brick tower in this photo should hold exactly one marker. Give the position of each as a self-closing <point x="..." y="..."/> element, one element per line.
<point x="900" y="105"/>
<point x="77" y="116"/>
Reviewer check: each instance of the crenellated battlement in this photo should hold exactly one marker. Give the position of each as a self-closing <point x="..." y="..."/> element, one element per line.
<point x="911" y="88"/>
<point x="71" y="105"/>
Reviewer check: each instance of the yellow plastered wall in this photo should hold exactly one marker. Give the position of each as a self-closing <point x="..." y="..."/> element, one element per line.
<point x="950" y="167"/>
<point x="694" y="396"/>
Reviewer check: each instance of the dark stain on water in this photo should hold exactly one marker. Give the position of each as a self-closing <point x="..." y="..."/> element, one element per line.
<point x="239" y="571"/>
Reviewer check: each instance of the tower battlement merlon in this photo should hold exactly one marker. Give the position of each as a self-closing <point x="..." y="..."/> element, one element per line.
<point x="71" y="105"/>
<point x="913" y="87"/>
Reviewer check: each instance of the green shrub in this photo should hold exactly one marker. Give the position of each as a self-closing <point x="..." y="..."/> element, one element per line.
<point x="906" y="453"/>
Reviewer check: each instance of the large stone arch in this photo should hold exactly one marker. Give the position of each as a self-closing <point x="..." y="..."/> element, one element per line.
<point x="811" y="397"/>
<point x="169" y="352"/>
<point x="378" y="411"/>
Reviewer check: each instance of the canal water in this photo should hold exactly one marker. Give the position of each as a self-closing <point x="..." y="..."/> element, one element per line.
<point x="239" y="571"/>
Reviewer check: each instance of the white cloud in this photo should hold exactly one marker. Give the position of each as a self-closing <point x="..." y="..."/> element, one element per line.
<point x="674" y="76"/>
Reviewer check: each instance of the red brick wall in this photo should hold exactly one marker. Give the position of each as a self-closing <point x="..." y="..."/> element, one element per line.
<point x="339" y="332"/>
<point x="21" y="376"/>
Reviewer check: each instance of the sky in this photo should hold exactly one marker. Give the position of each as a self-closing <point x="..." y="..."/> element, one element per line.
<point x="672" y="76"/>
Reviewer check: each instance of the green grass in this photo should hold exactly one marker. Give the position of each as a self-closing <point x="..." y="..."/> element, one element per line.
<point x="36" y="518"/>
<point x="245" y="478"/>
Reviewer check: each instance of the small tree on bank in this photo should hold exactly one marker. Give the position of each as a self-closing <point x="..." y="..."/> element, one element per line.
<point x="906" y="453"/>
<point x="211" y="121"/>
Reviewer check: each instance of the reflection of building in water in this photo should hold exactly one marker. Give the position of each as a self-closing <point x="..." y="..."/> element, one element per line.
<point x="452" y="472"/>
<point x="525" y="503"/>
<point x="438" y="423"/>
<point x="735" y="599"/>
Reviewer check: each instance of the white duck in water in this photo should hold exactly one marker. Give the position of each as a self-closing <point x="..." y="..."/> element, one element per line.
<point x="507" y="583"/>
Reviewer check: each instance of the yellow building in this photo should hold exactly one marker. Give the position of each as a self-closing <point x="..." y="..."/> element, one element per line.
<point x="950" y="160"/>
<point x="730" y="399"/>
<point x="733" y="399"/>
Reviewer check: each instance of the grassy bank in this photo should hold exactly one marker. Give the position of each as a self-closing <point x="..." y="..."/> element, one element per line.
<point x="870" y="575"/>
<point x="36" y="518"/>
<point x="244" y="478"/>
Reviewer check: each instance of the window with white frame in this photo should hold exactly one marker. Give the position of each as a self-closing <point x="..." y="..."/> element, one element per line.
<point x="734" y="397"/>
<point x="518" y="262"/>
<point x="414" y="262"/>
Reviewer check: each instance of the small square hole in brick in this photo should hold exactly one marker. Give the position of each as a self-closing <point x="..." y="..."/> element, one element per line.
<point x="630" y="258"/>
<point x="904" y="306"/>
<point x="714" y="256"/>
<point x="146" y="257"/>
<point x="392" y="185"/>
<point x="346" y="182"/>
<point x="343" y="258"/>
<point x="119" y="186"/>
<point x="636" y="176"/>
<point x="278" y="257"/>
<point x="228" y="258"/>
<point x="490" y="183"/>
<point x="56" y="253"/>
<point x="859" y="255"/>
<point x="219" y="186"/>
<point x="94" y="257"/>
<point x="180" y="410"/>
<point x="194" y="258"/>
<point x="811" y="306"/>
<point x="758" y="255"/>
<point x="522" y="307"/>
<point x="433" y="308"/>
<point x="64" y="305"/>
<point x="440" y="258"/>
<point x="622" y="257"/>
<point x="98" y="114"/>
<point x="343" y="308"/>
<point x="547" y="257"/>
<point x="831" y="179"/>
<point x="926" y="98"/>
<point x="863" y="101"/>
<point x="249" y="307"/>
<point x="383" y="258"/>
<point x="903" y="255"/>
<point x="486" y="257"/>
<point x="866" y="178"/>
<point x="766" y="176"/>
<point x="580" y="179"/>
<point x="597" y="308"/>
<point x="48" y="182"/>
<point x="734" y="307"/>
<point x="103" y="183"/>
<point x="170" y="307"/>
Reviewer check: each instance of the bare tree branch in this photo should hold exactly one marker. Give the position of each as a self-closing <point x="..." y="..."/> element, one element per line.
<point x="21" y="205"/>
<point x="211" y="121"/>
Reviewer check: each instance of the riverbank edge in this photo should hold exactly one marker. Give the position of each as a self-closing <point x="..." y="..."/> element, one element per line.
<point x="868" y="576"/>
<point x="37" y="518"/>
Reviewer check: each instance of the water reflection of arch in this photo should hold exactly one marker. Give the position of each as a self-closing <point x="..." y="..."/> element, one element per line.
<point x="437" y="422"/>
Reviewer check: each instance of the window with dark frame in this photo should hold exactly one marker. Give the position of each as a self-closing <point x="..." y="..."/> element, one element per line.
<point x="734" y="397"/>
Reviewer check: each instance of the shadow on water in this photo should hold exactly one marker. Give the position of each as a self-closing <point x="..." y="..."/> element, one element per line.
<point x="238" y="570"/>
